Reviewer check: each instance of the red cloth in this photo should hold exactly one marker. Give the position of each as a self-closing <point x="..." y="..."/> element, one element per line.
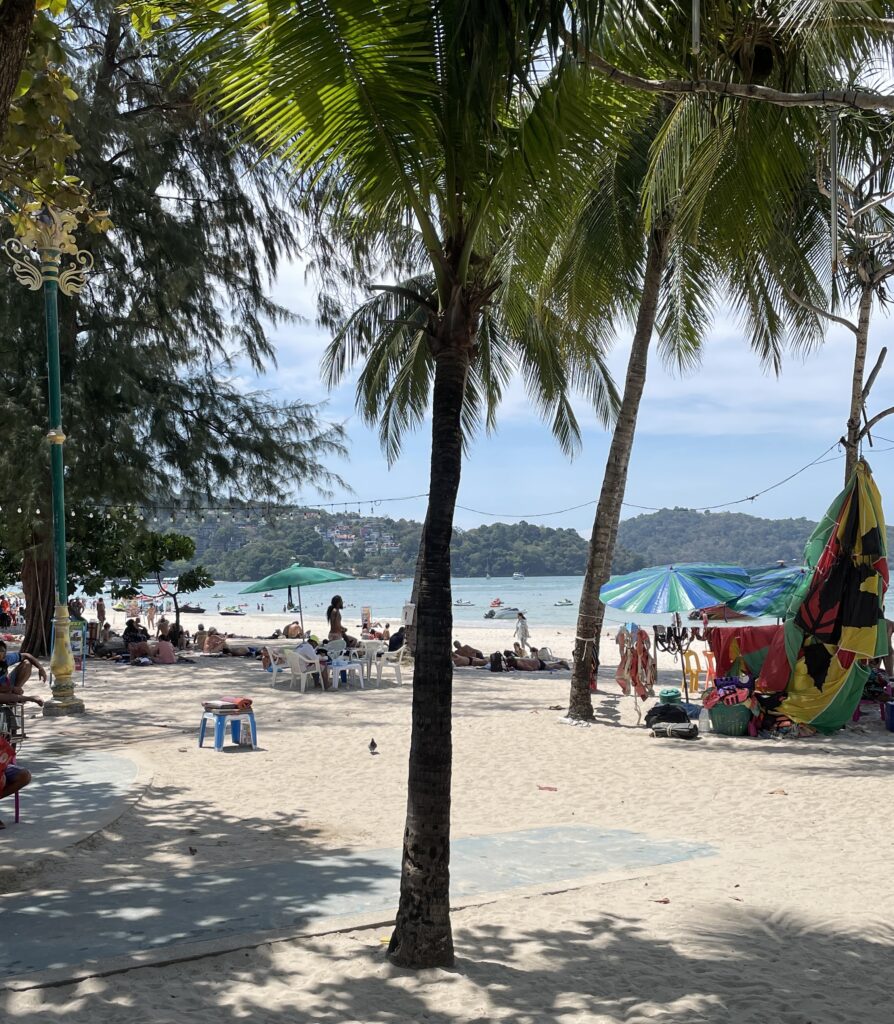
<point x="751" y="641"/>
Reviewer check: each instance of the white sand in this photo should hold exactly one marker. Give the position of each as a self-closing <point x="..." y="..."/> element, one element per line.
<point x="789" y="923"/>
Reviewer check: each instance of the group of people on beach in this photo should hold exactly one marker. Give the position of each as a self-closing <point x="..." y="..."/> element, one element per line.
<point x="12" y="612"/>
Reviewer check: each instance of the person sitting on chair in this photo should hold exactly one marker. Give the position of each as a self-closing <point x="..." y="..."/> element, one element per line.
<point x="15" y="670"/>
<point x="396" y="640"/>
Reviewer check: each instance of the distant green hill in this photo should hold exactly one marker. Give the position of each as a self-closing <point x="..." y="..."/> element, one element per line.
<point x="247" y="550"/>
<point x="681" y="535"/>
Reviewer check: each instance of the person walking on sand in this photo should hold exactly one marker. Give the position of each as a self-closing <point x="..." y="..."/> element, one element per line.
<point x="521" y="629"/>
<point x="150" y="616"/>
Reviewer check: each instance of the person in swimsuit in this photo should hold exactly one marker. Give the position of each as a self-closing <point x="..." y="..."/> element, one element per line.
<point x="333" y="616"/>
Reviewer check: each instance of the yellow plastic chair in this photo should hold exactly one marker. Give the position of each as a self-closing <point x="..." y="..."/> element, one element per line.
<point x="692" y="667"/>
<point x="710" y="668"/>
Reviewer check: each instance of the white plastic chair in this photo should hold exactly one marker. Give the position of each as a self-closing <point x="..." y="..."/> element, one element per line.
<point x="277" y="665"/>
<point x="392" y="660"/>
<point x="303" y="669"/>
<point x="343" y="660"/>
<point x="368" y="654"/>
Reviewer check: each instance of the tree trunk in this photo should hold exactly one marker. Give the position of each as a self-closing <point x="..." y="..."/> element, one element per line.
<point x="422" y="935"/>
<point x="15" y="32"/>
<point x="410" y="634"/>
<point x="608" y="510"/>
<point x="855" y="419"/>
<point x="38" y="582"/>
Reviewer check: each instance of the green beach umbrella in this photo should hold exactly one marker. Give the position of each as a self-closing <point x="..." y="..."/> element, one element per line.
<point x="297" y="576"/>
<point x="674" y="588"/>
<point x="772" y="591"/>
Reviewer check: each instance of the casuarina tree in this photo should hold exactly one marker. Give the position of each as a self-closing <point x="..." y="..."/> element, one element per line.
<point x="176" y="308"/>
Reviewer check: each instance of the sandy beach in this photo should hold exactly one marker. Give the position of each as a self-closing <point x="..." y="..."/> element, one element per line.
<point x="788" y="917"/>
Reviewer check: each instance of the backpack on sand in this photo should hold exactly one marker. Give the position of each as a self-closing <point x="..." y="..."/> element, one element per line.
<point x="496" y="662"/>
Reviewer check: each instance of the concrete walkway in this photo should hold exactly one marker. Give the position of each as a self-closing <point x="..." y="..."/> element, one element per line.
<point x="62" y="929"/>
<point x="69" y="799"/>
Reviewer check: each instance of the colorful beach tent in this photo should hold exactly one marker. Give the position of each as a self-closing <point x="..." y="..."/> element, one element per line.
<point x="674" y="588"/>
<point x="819" y="658"/>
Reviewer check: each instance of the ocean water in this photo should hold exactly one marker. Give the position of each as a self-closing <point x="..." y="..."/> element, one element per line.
<point x="536" y="596"/>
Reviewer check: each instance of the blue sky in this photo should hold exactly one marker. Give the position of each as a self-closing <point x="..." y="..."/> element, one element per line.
<point x="723" y="432"/>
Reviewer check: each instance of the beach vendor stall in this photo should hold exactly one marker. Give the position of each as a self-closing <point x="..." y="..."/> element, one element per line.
<point x="809" y="673"/>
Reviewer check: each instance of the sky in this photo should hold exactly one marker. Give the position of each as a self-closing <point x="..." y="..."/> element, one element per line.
<point x="724" y="432"/>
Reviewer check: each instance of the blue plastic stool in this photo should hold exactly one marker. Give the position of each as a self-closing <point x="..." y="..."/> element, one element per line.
<point x="236" y="718"/>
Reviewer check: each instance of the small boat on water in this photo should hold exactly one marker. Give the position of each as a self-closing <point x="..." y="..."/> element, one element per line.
<point x="268" y="595"/>
<point x="518" y="575"/>
<point x="564" y="603"/>
<point x="387" y="577"/>
<point x="192" y="609"/>
<point x="459" y="603"/>
<point x="232" y="611"/>
<point x="220" y="595"/>
<point x="496" y="603"/>
<point x="504" y="612"/>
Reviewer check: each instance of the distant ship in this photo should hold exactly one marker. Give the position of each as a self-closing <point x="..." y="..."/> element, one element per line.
<point x="518" y="575"/>
<point x="564" y="603"/>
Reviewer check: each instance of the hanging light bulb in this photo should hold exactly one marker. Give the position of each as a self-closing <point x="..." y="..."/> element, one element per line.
<point x="19" y="510"/>
<point x="37" y="511"/>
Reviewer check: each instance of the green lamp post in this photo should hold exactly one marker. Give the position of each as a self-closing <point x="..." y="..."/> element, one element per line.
<point x="36" y="253"/>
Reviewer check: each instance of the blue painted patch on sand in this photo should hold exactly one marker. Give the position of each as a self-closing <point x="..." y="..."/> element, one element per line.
<point x="63" y="929"/>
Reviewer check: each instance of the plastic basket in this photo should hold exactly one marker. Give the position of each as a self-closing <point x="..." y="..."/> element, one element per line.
<point x="730" y="720"/>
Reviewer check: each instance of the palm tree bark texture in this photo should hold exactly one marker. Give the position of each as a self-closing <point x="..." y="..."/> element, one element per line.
<point x="608" y="510"/>
<point x="855" y="418"/>
<point x="422" y="934"/>
<point x="16" y="17"/>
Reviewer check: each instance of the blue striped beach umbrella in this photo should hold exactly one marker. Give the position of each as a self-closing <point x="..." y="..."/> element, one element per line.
<point x="771" y="591"/>
<point x="675" y="588"/>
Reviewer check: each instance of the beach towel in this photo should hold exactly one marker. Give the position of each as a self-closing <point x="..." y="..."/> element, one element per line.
<point x="228" y="704"/>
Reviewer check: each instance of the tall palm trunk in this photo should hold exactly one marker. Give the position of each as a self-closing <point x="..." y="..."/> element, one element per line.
<point x="855" y="419"/>
<point x="410" y="632"/>
<point x="422" y="936"/>
<point x="608" y="510"/>
<point x="39" y="585"/>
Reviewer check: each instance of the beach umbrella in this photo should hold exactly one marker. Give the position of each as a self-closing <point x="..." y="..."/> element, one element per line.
<point x="771" y="591"/>
<point x="674" y="588"/>
<point x="296" y="576"/>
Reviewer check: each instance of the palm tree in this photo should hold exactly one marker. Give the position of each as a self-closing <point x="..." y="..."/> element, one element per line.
<point x="684" y="252"/>
<point x="442" y="146"/>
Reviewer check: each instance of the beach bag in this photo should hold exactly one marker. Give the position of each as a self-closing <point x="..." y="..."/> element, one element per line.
<point x="666" y="713"/>
<point x="675" y="730"/>
<point x="496" y="662"/>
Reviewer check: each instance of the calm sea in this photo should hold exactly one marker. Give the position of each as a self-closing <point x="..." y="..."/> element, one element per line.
<point x="536" y="596"/>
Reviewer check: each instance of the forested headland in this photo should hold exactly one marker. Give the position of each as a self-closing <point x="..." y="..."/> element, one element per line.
<point x="246" y="547"/>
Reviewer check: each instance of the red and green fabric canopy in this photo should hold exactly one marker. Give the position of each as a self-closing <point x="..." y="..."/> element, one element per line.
<point x="820" y="657"/>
